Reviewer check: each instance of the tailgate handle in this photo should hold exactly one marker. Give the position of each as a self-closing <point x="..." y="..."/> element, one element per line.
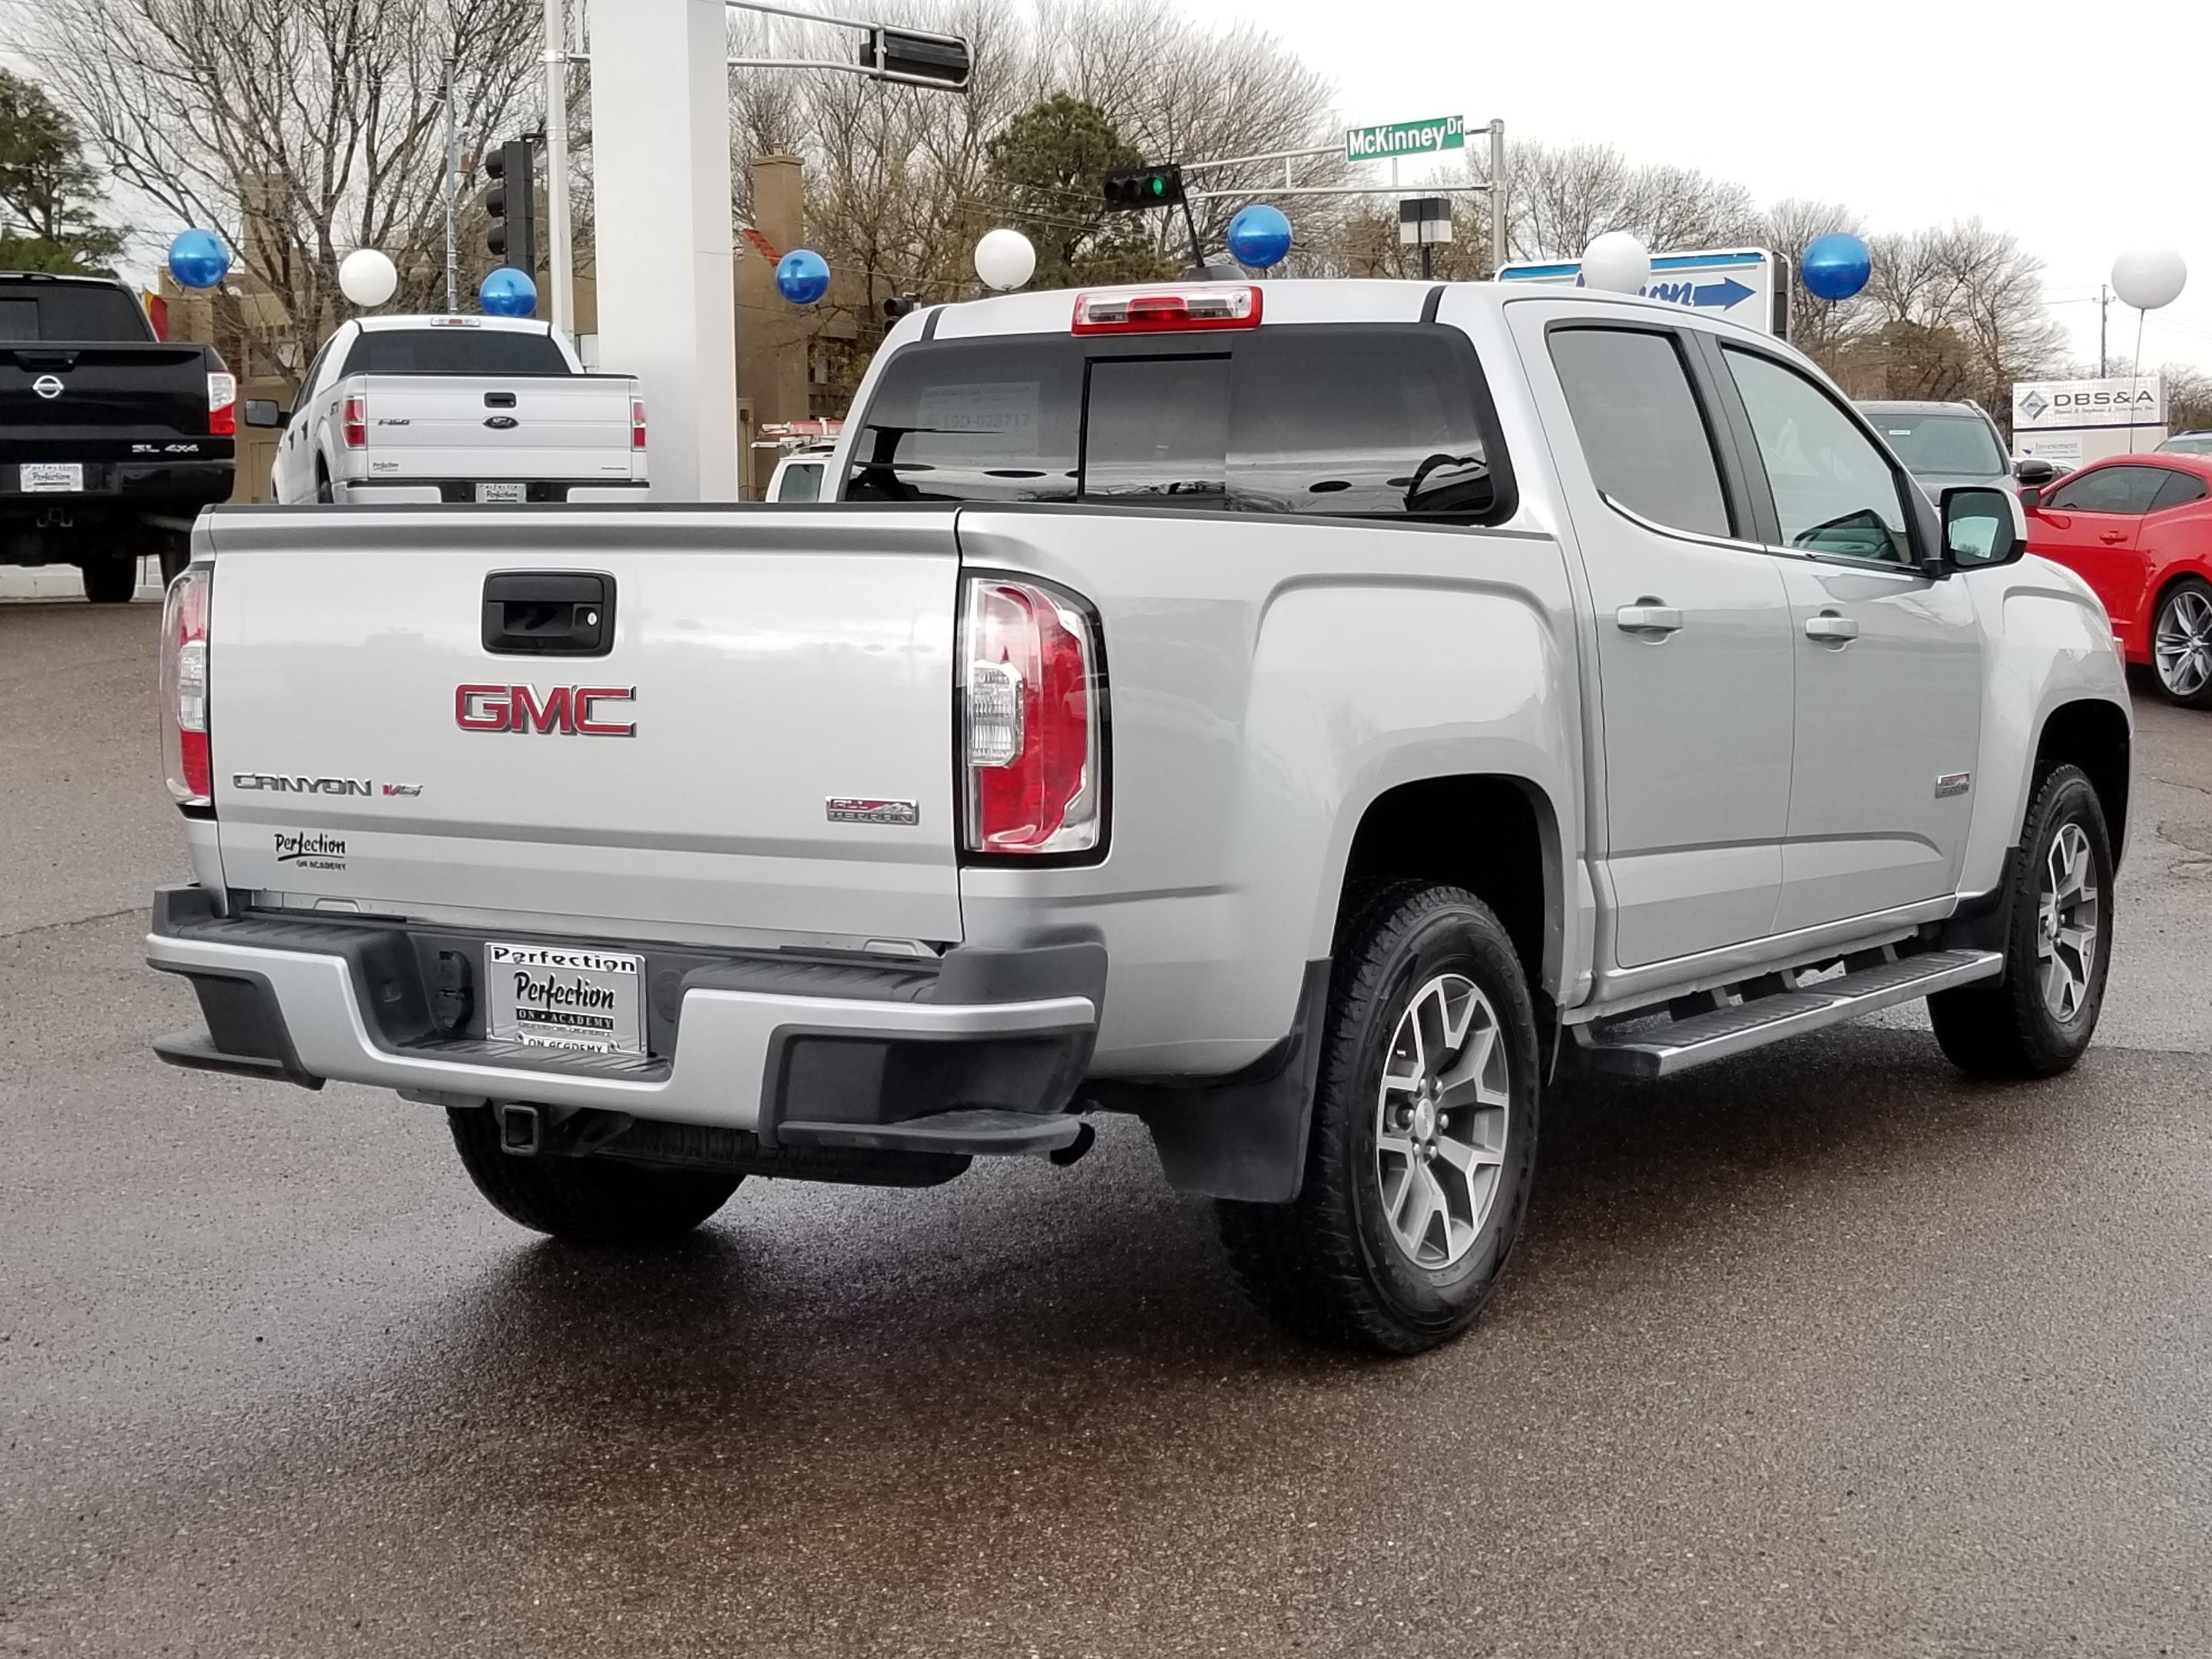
<point x="549" y="613"/>
<point x="499" y="400"/>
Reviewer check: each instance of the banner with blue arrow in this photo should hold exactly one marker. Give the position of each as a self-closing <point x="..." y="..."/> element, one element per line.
<point x="1746" y="285"/>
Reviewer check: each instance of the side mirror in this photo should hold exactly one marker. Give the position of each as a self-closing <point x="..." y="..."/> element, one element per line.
<point x="1982" y="527"/>
<point x="2031" y="498"/>
<point x="2034" y="470"/>
<point x="264" y="411"/>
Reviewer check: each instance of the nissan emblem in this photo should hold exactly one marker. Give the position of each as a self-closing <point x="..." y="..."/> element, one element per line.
<point x="47" y="386"/>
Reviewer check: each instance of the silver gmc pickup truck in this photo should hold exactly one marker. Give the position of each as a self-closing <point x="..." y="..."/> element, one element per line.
<point x="1312" y="717"/>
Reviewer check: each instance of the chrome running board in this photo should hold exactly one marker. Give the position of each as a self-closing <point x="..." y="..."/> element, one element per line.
<point x="1788" y="1008"/>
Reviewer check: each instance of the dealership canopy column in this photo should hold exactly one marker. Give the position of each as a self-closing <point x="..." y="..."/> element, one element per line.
<point x="660" y="136"/>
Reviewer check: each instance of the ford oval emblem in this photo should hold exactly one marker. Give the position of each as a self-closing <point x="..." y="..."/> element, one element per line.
<point x="502" y="422"/>
<point x="47" y="386"/>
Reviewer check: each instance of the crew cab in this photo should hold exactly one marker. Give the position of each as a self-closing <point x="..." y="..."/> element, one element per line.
<point x="456" y="409"/>
<point x="110" y="438"/>
<point x="1312" y="717"/>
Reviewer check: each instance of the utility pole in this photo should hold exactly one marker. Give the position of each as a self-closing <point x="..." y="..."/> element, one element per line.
<point x="2104" y="302"/>
<point x="453" y="189"/>
<point x="561" y="272"/>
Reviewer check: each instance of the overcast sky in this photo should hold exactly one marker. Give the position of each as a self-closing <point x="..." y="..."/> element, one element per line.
<point x="2078" y="127"/>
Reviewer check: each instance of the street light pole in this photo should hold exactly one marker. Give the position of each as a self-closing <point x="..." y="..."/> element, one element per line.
<point x="561" y="257"/>
<point x="1497" y="197"/>
<point x="452" y="191"/>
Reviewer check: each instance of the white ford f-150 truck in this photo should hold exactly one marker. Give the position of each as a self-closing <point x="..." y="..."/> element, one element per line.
<point x="1309" y="716"/>
<point x="447" y="409"/>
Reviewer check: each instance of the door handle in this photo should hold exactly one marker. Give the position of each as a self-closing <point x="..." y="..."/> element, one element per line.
<point x="2112" y="536"/>
<point x="1647" y="616"/>
<point x="1828" y="625"/>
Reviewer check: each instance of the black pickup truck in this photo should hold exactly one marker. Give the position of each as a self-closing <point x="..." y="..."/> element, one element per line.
<point x="111" y="440"/>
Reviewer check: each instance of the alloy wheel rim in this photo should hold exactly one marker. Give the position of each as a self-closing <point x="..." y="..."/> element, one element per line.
<point x="1441" y="1122"/>
<point x="2068" y="912"/>
<point x="2182" y="646"/>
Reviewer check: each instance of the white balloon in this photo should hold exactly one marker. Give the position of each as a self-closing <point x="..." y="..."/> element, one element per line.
<point x="368" y="278"/>
<point x="2149" y="277"/>
<point x="1618" y="262"/>
<point x="1005" y="259"/>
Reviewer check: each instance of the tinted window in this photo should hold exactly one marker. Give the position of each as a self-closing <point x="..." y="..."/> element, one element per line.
<point x="1641" y="431"/>
<point x="2178" y="490"/>
<point x="455" y="350"/>
<point x="69" y="312"/>
<point x="1834" y="491"/>
<point x="1158" y="428"/>
<point x="1372" y="421"/>
<point x="1943" y="443"/>
<point x="2189" y="443"/>
<point x="2109" y="490"/>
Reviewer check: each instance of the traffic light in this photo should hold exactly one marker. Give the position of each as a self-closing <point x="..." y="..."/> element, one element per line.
<point x="1131" y="190"/>
<point x="511" y="202"/>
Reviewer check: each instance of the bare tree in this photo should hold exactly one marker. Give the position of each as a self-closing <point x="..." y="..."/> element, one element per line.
<point x="1560" y="199"/>
<point x="300" y="128"/>
<point x="1958" y="312"/>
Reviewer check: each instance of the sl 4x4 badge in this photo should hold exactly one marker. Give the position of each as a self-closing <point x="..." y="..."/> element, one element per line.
<point x="1953" y="783"/>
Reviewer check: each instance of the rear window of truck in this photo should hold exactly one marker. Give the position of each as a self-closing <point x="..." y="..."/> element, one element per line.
<point x="34" y="312"/>
<point x="1369" y="421"/>
<point x="453" y="350"/>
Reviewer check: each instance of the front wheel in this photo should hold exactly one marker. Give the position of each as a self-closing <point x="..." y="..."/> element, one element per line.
<point x="585" y="1200"/>
<point x="1423" y="1139"/>
<point x="2036" y="1020"/>
<point x="2181" y="643"/>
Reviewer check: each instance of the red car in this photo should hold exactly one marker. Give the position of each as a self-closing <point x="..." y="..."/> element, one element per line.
<point x="2138" y="529"/>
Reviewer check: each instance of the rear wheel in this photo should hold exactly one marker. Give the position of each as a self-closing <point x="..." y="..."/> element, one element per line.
<point x="585" y="1200"/>
<point x="1423" y="1140"/>
<point x="2039" y="1017"/>
<point x="176" y="554"/>
<point x="2181" y="643"/>
<point x="110" y="578"/>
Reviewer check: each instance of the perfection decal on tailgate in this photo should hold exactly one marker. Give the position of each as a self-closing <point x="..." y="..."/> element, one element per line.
<point x="862" y="809"/>
<point x="308" y="849"/>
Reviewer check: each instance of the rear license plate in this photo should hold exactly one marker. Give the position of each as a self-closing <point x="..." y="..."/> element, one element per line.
<point x="42" y="476"/>
<point x="565" y="997"/>
<point x="502" y="492"/>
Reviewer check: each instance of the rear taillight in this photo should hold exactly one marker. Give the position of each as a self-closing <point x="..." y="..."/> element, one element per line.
<point x="1166" y="309"/>
<point x="355" y="419"/>
<point x="1032" y="722"/>
<point x="185" y="687"/>
<point x="637" y="423"/>
<point x="222" y="405"/>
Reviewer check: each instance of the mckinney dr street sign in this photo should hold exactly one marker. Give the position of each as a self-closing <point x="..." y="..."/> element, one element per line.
<point x="1405" y="138"/>
<point x="1746" y="285"/>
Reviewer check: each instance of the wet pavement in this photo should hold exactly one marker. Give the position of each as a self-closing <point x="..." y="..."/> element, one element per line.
<point x="1824" y="1351"/>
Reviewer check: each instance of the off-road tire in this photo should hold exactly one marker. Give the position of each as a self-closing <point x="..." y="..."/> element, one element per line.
<point x="110" y="578"/>
<point x="1326" y="1267"/>
<point x="2004" y="1028"/>
<point x="585" y="1200"/>
<point x="175" y="554"/>
<point x="2197" y="593"/>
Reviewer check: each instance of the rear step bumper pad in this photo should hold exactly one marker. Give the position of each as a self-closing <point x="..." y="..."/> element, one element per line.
<point x="729" y="1038"/>
<point x="1663" y="1050"/>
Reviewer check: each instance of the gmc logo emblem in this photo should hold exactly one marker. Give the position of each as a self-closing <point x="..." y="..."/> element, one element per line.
<point x="571" y="710"/>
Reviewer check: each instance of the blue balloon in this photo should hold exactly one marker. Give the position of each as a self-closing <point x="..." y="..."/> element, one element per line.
<point x="1837" y="265"/>
<point x="508" y="293"/>
<point x="198" y="259"/>
<point x="1260" y="237"/>
<point x="802" y="276"/>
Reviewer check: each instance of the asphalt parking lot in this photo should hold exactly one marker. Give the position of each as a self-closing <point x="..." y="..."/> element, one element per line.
<point x="1824" y="1351"/>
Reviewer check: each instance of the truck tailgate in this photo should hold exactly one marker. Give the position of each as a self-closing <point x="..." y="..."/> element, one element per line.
<point x="368" y="746"/>
<point x="518" y="426"/>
